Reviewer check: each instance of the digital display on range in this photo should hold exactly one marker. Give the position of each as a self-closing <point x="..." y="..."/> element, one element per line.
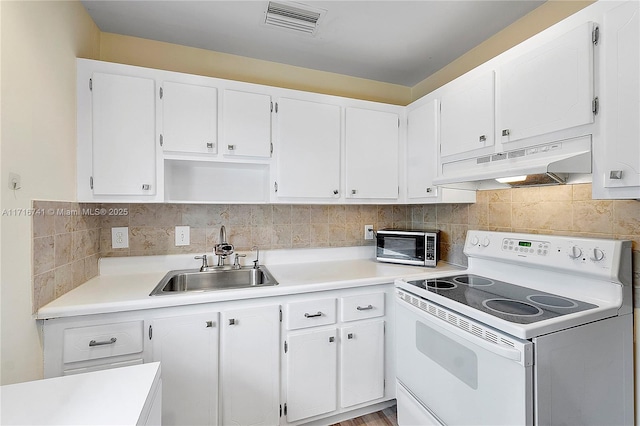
<point x="524" y="244"/>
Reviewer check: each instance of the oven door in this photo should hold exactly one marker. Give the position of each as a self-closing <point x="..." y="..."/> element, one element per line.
<point x="460" y="378"/>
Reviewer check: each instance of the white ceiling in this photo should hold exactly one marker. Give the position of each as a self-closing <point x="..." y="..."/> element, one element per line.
<point x="400" y="42"/>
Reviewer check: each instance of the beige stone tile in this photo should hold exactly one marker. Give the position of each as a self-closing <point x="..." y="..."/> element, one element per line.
<point x="498" y="195"/>
<point x="282" y="236"/>
<point x="169" y="215"/>
<point x="63" y="279"/>
<point x="582" y="192"/>
<point x="195" y="215"/>
<point x="369" y="214"/>
<point x="143" y="239"/>
<point x="62" y="249"/>
<point x="482" y="197"/>
<point x="319" y="234"/>
<point x="262" y="236"/>
<point x="43" y="225"/>
<point x="217" y="215"/>
<point x="352" y="214"/>
<point x="338" y="214"/>
<point x="142" y="215"/>
<point x="458" y="234"/>
<point x="385" y="217"/>
<point x="319" y="214"/>
<point x="239" y="236"/>
<point x="556" y="192"/>
<point x="282" y="214"/>
<point x="445" y="233"/>
<point x="240" y="214"/>
<point x="262" y="215"/>
<point x="553" y="215"/>
<point x="416" y="214"/>
<point x="91" y="266"/>
<point x="354" y="233"/>
<point x="63" y="224"/>
<point x="626" y="217"/>
<point x="499" y="215"/>
<point x="301" y="235"/>
<point x="430" y="213"/>
<point x="400" y="216"/>
<point x="337" y="232"/>
<point x="526" y="195"/>
<point x="43" y="254"/>
<point x="593" y="216"/>
<point x="478" y="215"/>
<point x="44" y="288"/>
<point x="77" y="273"/>
<point x="300" y="215"/>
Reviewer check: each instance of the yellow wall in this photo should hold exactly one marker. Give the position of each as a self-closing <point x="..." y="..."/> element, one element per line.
<point x="40" y="42"/>
<point x="173" y="57"/>
<point x="549" y="13"/>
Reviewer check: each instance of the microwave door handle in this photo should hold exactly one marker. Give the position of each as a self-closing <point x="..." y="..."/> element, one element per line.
<point x="512" y="354"/>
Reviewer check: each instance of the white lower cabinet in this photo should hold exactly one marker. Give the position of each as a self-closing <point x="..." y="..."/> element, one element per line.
<point x="362" y="363"/>
<point x="187" y="348"/>
<point x="311" y="363"/>
<point x="249" y="366"/>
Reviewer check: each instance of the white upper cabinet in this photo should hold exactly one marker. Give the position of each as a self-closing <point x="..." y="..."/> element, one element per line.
<point x="190" y="117"/>
<point x="616" y="171"/>
<point x="422" y="158"/>
<point x="467" y="117"/>
<point x="122" y="128"/>
<point x="548" y="88"/>
<point x="372" y="139"/>
<point x="308" y="150"/>
<point x="246" y="124"/>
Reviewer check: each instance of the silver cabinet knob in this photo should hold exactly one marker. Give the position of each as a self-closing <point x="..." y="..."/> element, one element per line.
<point x="146" y="186"/>
<point x="483" y="138"/>
<point x="506" y="132"/>
<point x="615" y="174"/>
<point x="335" y="192"/>
<point x="231" y="147"/>
<point x="354" y="192"/>
<point x="210" y="145"/>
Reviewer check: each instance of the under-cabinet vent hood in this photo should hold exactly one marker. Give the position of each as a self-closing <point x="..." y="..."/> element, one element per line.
<point x="567" y="161"/>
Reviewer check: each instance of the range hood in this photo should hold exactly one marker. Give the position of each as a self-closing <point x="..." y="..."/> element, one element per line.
<point x="567" y="161"/>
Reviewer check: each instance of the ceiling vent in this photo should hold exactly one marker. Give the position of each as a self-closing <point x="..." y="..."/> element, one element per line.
<point x="296" y="17"/>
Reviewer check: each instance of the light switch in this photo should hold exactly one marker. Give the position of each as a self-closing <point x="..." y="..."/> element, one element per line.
<point x="182" y="236"/>
<point x="120" y="237"/>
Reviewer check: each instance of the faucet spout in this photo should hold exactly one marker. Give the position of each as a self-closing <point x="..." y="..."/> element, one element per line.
<point x="223" y="235"/>
<point x="223" y="248"/>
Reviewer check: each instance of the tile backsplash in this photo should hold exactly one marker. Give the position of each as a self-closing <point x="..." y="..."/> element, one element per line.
<point x="68" y="242"/>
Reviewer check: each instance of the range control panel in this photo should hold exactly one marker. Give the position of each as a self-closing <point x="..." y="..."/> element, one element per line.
<point x="587" y="255"/>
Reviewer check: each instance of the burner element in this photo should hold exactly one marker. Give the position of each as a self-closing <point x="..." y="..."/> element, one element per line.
<point x="440" y="284"/>
<point x="473" y="280"/>
<point x="512" y="307"/>
<point x="552" y="301"/>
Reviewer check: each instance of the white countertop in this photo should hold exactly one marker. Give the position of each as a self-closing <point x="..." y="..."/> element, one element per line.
<point x="109" y="397"/>
<point x="125" y="283"/>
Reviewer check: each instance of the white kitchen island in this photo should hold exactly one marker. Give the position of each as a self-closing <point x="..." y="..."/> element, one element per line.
<point x="120" y="396"/>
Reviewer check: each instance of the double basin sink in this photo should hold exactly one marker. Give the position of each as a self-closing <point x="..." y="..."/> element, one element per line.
<point x="194" y="280"/>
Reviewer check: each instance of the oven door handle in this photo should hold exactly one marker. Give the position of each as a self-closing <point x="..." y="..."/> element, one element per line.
<point x="505" y="352"/>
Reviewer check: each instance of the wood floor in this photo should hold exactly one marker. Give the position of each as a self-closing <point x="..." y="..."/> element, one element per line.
<point x="386" y="417"/>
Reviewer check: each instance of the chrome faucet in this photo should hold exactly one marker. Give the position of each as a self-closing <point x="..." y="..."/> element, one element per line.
<point x="223" y="248"/>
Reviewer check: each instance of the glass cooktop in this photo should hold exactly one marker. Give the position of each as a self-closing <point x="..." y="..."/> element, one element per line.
<point x="510" y="302"/>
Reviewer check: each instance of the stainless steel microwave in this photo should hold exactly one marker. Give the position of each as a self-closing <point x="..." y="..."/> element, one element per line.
<point x="408" y="247"/>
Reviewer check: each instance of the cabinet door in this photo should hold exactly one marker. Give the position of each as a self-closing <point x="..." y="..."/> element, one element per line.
<point x="372" y="153"/>
<point x="187" y="347"/>
<point x="467" y="117"/>
<point x="246" y="124"/>
<point x="124" y="128"/>
<point x="617" y="153"/>
<point x="249" y="366"/>
<point x="422" y="158"/>
<point x="308" y="149"/>
<point x="361" y="363"/>
<point x="190" y="116"/>
<point x="311" y="361"/>
<point x="549" y="88"/>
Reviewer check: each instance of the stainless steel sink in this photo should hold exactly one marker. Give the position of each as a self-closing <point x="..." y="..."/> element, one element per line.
<point x="192" y="280"/>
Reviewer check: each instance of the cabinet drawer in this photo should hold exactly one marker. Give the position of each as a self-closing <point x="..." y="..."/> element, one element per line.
<point x="362" y="306"/>
<point x="311" y="313"/>
<point x="101" y="341"/>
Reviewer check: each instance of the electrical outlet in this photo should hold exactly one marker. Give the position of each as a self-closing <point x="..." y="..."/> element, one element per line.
<point x="368" y="232"/>
<point x="182" y="236"/>
<point x="120" y="237"/>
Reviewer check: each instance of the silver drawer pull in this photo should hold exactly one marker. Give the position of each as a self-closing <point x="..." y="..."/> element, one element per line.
<point x="104" y="342"/>
<point x="350" y="336"/>
<point x="146" y="187"/>
<point x="319" y="314"/>
<point x="366" y="308"/>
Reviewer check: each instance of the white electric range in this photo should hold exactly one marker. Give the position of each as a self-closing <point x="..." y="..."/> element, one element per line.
<point x="537" y="330"/>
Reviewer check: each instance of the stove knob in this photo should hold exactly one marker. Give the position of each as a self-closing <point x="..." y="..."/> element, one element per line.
<point x="598" y="255"/>
<point x="485" y="242"/>
<point x="575" y="252"/>
<point x="474" y="241"/>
